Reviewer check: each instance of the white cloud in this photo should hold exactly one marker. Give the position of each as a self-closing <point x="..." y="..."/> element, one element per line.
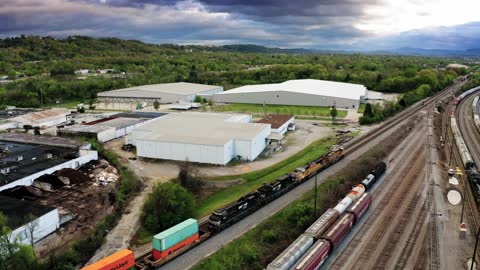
<point x="395" y="16"/>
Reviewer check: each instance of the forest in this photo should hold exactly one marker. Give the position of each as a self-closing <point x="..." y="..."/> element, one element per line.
<point x="42" y="68"/>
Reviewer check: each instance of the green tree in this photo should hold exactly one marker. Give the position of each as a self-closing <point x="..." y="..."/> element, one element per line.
<point x="333" y="114"/>
<point x="368" y="110"/>
<point x="13" y="254"/>
<point x="167" y="205"/>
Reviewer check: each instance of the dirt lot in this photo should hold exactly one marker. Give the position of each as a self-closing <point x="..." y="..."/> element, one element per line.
<point x="307" y="132"/>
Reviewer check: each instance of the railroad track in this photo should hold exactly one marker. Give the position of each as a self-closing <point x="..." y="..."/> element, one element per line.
<point x="434" y="250"/>
<point x="393" y="199"/>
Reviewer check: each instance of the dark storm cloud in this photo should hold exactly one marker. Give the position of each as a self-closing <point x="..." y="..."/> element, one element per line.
<point x="321" y="24"/>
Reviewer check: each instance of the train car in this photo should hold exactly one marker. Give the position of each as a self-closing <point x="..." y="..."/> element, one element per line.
<point x="121" y="260"/>
<point x="368" y="181"/>
<point x="339" y="230"/>
<point x="379" y="170"/>
<point x="462" y="147"/>
<point x="307" y="171"/>
<point x="359" y="208"/>
<point x="175" y="238"/>
<point x="321" y="225"/>
<point x="226" y="216"/>
<point x="357" y="192"/>
<point x="343" y="205"/>
<point x="275" y="189"/>
<point x="314" y="257"/>
<point x="292" y="254"/>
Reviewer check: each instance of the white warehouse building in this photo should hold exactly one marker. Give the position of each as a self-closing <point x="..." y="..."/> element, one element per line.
<point x="201" y="137"/>
<point x="306" y="92"/>
<point x="163" y="93"/>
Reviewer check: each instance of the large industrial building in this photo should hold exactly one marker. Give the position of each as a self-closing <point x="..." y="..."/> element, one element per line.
<point x="306" y="92"/>
<point x="201" y="137"/>
<point x="163" y="93"/>
<point x="25" y="157"/>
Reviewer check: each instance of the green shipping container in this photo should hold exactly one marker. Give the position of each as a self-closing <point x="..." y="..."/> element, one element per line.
<point x="175" y="234"/>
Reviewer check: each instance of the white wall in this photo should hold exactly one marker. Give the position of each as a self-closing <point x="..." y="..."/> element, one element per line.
<point x="106" y="135"/>
<point x="284" y="128"/>
<point x="259" y="142"/>
<point x="85" y="157"/>
<point x="213" y="154"/>
<point x="47" y="224"/>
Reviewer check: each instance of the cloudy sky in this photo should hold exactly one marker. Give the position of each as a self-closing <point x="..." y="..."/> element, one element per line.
<point x="318" y="24"/>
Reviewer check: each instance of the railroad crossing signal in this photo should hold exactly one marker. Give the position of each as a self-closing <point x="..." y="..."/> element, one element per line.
<point x="463" y="227"/>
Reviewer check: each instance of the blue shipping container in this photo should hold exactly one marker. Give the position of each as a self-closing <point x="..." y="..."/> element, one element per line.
<point x="175" y="234"/>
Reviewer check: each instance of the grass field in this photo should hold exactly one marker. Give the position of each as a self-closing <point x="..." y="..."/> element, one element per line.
<point x="361" y="109"/>
<point x="68" y="105"/>
<point x="255" y="179"/>
<point x="279" y="109"/>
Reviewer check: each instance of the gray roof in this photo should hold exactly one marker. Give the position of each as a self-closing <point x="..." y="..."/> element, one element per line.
<point x="200" y="128"/>
<point x="155" y="90"/>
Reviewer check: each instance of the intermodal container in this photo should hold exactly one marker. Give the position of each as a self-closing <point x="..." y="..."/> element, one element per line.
<point x="290" y="256"/>
<point x="343" y="205"/>
<point x="361" y="206"/>
<point x="175" y="234"/>
<point x="158" y="255"/>
<point x="314" y="257"/>
<point x="322" y="223"/>
<point x="121" y="260"/>
<point x="339" y="230"/>
<point x="356" y="192"/>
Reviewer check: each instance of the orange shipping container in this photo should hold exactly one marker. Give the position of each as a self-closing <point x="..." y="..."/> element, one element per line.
<point x="157" y="255"/>
<point x="121" y="260"/>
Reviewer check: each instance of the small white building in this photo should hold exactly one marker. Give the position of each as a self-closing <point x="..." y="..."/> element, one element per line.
<point x="280" y="123"/>
<point x="27" y="219"/>
<point x="201" y="137"/>
<point x="47" y="118"/>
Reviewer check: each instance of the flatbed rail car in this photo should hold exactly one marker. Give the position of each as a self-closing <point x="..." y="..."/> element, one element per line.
<point x="232" y="213"/>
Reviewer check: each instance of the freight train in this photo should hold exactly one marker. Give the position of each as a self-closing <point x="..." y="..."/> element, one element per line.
<point x="310" y="250"/>
<point x="472" y="170"/>
<point x="174" y="241"/>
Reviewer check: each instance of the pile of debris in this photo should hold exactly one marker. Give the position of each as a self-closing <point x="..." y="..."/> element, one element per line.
<point x="344" y="136"/>
<point x="104" y="174"/>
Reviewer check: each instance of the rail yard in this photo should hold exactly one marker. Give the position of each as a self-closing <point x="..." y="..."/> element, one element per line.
<point x="407" y="196"/>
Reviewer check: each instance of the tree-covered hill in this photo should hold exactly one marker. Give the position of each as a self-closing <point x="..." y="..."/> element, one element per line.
<point x="46" y="65"/>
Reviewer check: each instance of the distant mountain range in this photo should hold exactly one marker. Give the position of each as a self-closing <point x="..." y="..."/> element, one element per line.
<point x="251" y="48"/>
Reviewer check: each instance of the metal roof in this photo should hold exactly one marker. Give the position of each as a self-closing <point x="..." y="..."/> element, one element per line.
<point x="17" y="211"/>
<point x="155" y="90"/>
<point x="200" y="128"/>
<point x="276" y="120"/>
<point x="42" y="116"/>
<point x="306" y="86"/>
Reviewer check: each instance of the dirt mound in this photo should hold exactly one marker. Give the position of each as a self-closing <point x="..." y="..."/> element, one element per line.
<point x="24" y="193"/>
<point x="74" y="176"/>
<point x="51" y="179"/>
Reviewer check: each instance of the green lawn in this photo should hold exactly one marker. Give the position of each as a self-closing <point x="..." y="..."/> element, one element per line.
<point x="279" y="109"/>
<point x="255" y="179"/>
<point x="361" y="109"/>
<point x="67" y="104"/>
